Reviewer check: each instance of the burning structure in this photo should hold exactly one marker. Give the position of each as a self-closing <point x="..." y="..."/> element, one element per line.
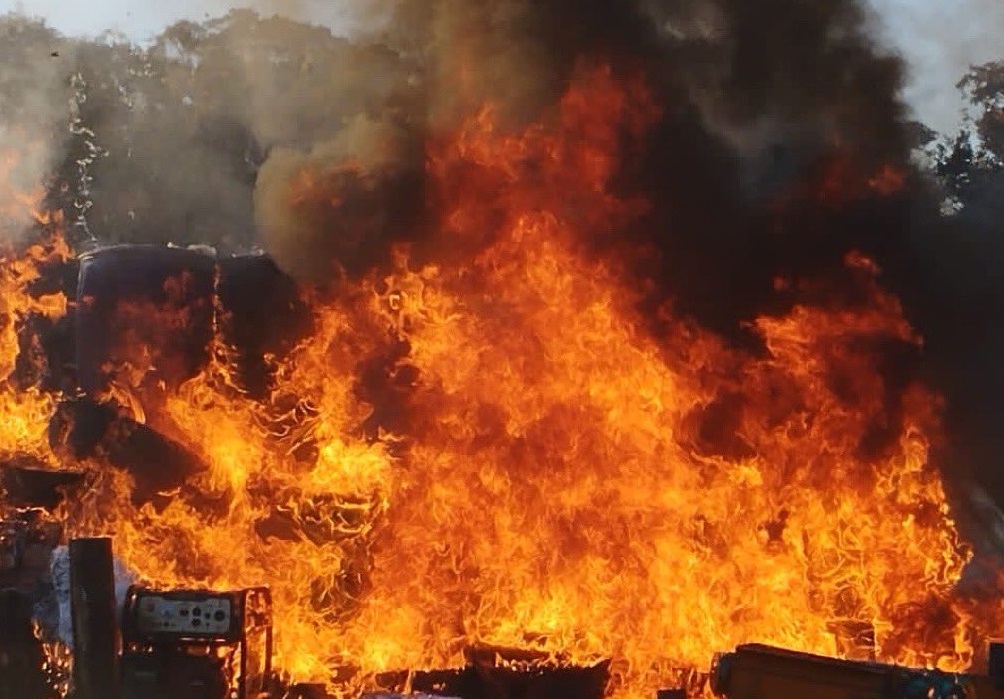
<point x="562" y="382"/>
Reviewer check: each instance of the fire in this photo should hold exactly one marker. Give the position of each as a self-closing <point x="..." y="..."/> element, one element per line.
<point x="888" y="180"/>
<point x="24" y="414"/>
<point x="21" y="196"/>
<point x="843" y="180"/>
<point x="561" y="478"/>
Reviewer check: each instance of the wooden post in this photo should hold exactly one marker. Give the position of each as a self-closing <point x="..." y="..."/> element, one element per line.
<point x="95" y="631"/>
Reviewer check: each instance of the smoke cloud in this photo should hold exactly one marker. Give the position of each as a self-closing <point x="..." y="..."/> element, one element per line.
<point x="163" y="143"/>
<point x="756" y="98"/>
<point x="340" y="200"/>
<point x="33" y="119"/>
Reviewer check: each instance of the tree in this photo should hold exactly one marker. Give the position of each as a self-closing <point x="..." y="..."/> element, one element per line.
<point x="963" y="275"/>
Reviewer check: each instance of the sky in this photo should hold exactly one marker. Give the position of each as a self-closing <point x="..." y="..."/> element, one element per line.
<point x="939" y="39"/>
<point x="143" y="19"/>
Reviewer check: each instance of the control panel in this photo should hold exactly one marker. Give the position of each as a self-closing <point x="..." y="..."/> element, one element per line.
<point x="184" y="614"/>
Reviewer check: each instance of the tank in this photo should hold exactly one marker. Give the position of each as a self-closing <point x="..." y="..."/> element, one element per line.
<point x="263" y="314"/>
<point x="144" y="322"/>
<point x="148" y="307"/>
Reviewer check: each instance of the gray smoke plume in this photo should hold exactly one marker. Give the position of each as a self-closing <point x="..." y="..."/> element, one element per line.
<point x="169" y="139"/>
<point x="187" y="122"/>
<point x="755" y="96"/>
<point x="33" y="117"/>
<point x="247" y="131"/>
<point x="338" y="200"/>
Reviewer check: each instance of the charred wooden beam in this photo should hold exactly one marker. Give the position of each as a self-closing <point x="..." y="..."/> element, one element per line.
<point x="82" y="428"/>
<point x="995" y="663"/>
<point x="398" y="695"/>
<point x="485" y="655"/>
<point x="28" y="483"/>
<point x="544" y="683"/>
<point x="761" y="672"/>
<point x="432" y="682"/>
<point x="95" y="631"/>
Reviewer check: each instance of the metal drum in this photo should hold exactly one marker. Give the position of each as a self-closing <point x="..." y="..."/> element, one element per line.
<point x="262" y="314"/>
<point x="146" y="307"/>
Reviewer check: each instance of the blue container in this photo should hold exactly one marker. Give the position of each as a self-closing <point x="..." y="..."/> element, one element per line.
<point x="263" y="314"/>
<point x="134" y="295"/>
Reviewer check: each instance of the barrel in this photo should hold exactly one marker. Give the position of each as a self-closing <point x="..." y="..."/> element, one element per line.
<point x="262" y="314"/>
<point x="143" y="304"/>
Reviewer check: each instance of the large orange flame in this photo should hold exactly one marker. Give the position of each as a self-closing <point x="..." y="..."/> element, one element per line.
<point x="23" y="414"/>
<point x="566" y="481"/>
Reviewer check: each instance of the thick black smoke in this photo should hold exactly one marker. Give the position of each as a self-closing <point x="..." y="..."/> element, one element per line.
<point x="759" y="99"/>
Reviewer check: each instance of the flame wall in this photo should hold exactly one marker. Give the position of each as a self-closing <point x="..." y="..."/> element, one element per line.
<point x="496" y="447"/>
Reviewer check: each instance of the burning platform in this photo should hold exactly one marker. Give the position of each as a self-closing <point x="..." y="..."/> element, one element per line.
<point x="222" y="462"/>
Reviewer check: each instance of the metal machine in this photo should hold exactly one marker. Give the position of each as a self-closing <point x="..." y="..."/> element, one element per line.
<point x="196" y="644"/>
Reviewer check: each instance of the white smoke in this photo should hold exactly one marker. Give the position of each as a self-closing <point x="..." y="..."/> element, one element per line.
<point x="940" y="41"/>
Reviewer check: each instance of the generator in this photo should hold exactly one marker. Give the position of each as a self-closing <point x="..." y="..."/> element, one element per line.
<point x="196" y="644"/>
